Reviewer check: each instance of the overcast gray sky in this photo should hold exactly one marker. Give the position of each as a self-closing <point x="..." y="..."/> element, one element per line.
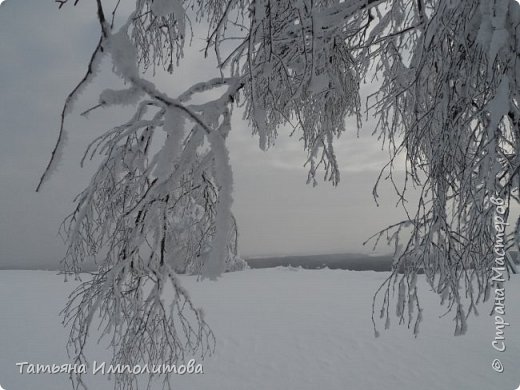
<point x="44" y="52"/>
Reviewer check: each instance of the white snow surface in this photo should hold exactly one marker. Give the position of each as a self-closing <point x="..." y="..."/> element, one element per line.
<point x="279" y="329"/>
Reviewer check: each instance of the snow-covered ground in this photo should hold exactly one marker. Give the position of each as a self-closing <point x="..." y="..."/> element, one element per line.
<point x="280" y="329"/>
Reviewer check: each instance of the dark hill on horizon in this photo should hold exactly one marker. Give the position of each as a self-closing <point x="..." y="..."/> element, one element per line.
<point x="346" y="261"/>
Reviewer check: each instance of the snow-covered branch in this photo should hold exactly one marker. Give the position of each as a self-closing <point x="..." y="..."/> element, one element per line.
<point x="447" y="102"/>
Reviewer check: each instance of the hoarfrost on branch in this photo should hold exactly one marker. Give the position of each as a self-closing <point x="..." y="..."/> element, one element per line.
<point x="447" y="102"/>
